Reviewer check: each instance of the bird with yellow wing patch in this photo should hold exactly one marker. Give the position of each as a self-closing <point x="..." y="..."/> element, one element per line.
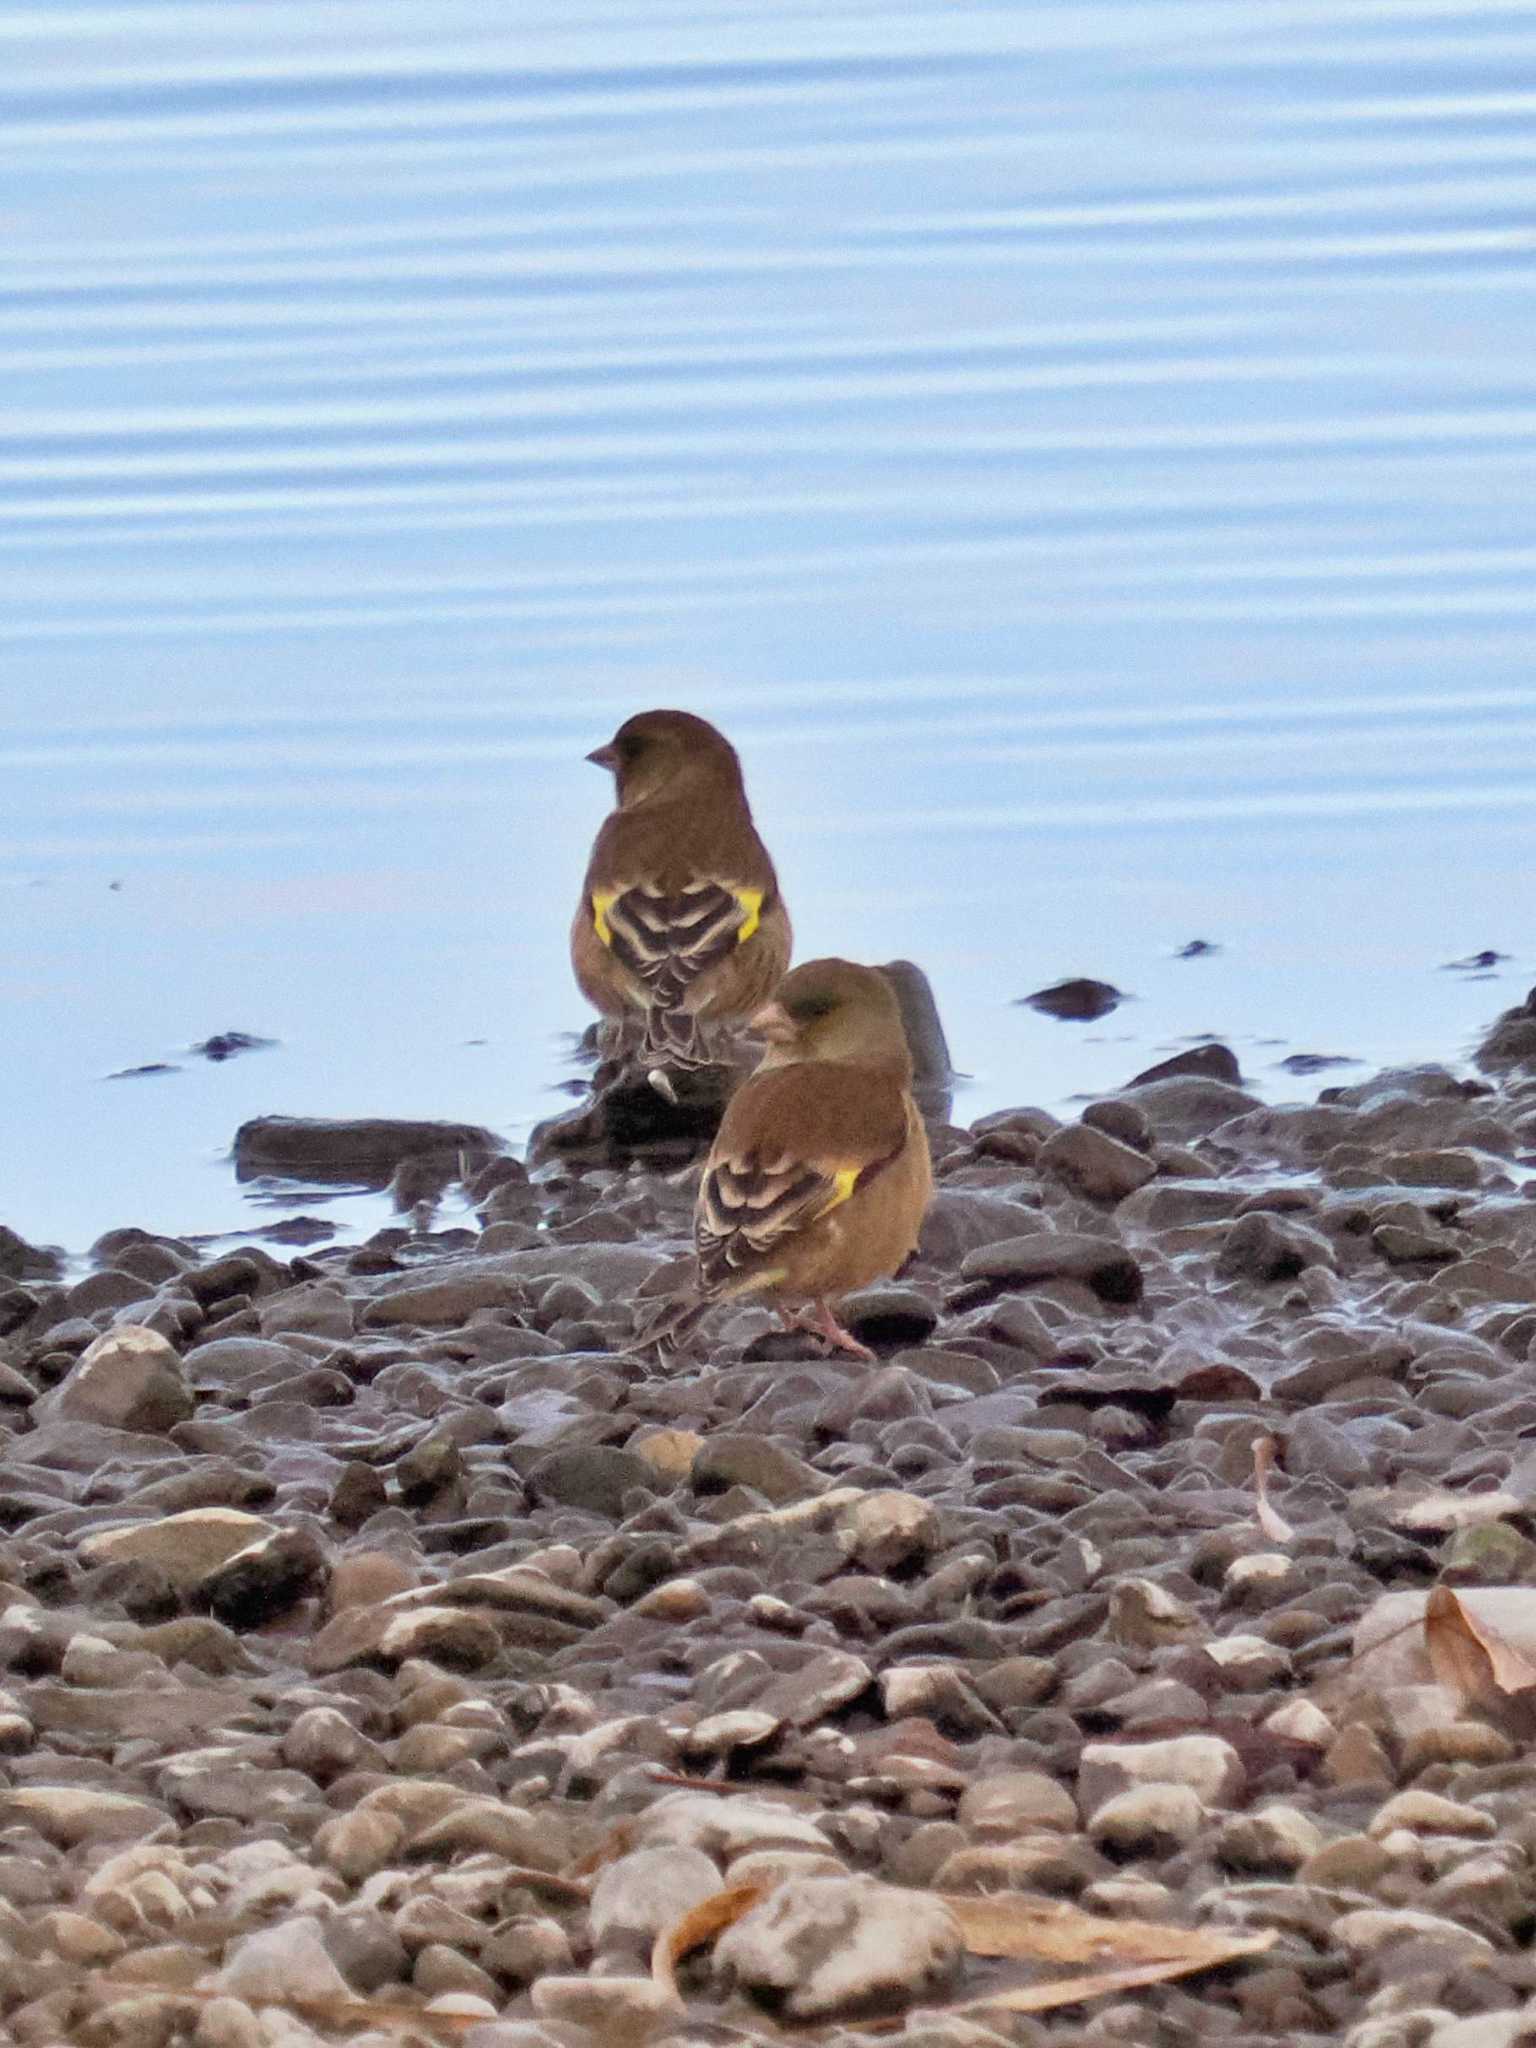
<point x="820" y="1175"/>
<point x="680" y="933"/>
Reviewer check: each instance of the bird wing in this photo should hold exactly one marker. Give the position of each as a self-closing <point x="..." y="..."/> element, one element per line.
<point x="796" y="1143"/>
<point x="667" y="940"/>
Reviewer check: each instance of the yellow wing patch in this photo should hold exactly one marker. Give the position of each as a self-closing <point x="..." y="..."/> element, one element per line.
<point x="603" y="901"/>
<point x="843" y="1185"/>
<point x="751" y="901"/>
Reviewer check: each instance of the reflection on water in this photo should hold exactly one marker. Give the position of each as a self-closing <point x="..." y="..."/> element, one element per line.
<point x="1082" y="452"/>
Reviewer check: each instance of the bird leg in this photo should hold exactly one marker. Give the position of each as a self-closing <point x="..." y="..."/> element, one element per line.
<point x="836" y="1338"/>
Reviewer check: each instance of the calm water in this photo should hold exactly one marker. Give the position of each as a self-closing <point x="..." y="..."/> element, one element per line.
<point x="1083" y="453"/>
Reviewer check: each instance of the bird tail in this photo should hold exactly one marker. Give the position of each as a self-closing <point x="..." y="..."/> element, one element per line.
<point x="673" y="1322"/>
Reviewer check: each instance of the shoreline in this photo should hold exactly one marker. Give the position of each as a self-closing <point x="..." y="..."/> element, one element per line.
<point x="372" y="1622"/>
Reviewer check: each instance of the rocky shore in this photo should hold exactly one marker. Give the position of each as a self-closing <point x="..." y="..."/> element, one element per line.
<point x="387" y="1653"/>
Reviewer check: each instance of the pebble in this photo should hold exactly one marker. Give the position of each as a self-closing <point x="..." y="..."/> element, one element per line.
<point x="1207" y="1765"/>
<point x="819" y="1947"/>
<point x="1014" y="1803"/>
<point x="638" y="1895"/>
<point x="1148" y="1820"/>
<point x="1096" y="1163"/>
<point x="188" y="1547"/>
<point x="130" y="1378"/>
<point x="473" y="1587"/>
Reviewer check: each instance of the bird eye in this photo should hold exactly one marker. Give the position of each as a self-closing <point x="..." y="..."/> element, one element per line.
<point x="812" y="1007"/>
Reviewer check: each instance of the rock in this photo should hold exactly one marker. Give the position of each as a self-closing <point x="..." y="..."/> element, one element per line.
<point x="525" y="1947"/>
<point x="323" y="1743"/>
<point x="264" y="1580"/>
<point x="357" y="1844"/>
<point x="1207" y="1764"/>
<point x="1512" y="1040"/>
<point x="960" y="1220"/>
<point x="1009" y="1803"/>
<point x="1373" y="1928"/>
<point x="130" y="1378"/>
<point x="1188" y="1106"/>
<point x="1101" y="1264"/>
<point x="452" y="1299"/>
<point x="725" y="1828"/>
<point x="738" y="1728"/>
<point x="621" y="2012"/>
<point x="595" y="1477"/>
<point x="1203" y="1062"/>
<point x="1120" y="1119"/>
<point x="369" y="1151"/>
<point x="188" y="1547"/>
<point x="669" y="1452"/>
<point x="885" y="1531"/>
<point x="755" y="1461"/>
<point x="819" y="1947"/>
<point x="1318" y="1448"/>
<point x="1097" y="1165"/>
<point x="637" y="1895"/>
<point x="1261" y="1247"/>
<point x="1427" y="1813"/>
<point x="932" y="1074"/>
<point x="22" y="1261"/>
<point x="70" y="1815"/>
<point x="1078" y="1000"/>
<point x="1148" y="1820"/>
<point x="288" y="1962"/>
<point x="1274" y="1839"/>
<point x="888" y="1317"/>
<point x="1145" y="1615"/>
<point x="828" y="1681"/>
<point x="455" y="1636"/>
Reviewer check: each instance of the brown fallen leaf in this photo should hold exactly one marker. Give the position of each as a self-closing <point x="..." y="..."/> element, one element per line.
<point x="1027" y="1928"/>
<point x="1268" y="1517"/>
<point x="1468" y="1654"/>
<point x="1094" y="1984"/>
<point x="1015" y="1925"/>
<point x="702" y="1923"/>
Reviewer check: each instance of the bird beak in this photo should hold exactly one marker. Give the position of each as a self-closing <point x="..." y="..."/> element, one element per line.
<point x="604" y="757"/>
<point x="774" y="1023"/>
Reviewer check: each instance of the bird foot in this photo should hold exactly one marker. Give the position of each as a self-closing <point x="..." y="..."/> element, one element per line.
<point x="836" y="1338"/>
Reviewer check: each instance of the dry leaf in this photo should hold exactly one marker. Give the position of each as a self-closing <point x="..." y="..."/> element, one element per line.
<point x="1015" y="1925"/>
<point x="1100" y="1983"/>
<point x="1268" y="1517"/>
<point x="709" y="1918"/>
<point x="1467" y="1654"/>
<point x="1044" y="1930"/>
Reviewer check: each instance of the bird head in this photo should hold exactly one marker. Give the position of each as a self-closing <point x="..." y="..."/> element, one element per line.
<point x="832" y="1010"/>
<point x="661" y="752"/>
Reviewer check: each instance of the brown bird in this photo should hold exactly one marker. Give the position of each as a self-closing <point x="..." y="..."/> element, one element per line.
<point x="820" y="1174"/>
<point x="681" y="930"/>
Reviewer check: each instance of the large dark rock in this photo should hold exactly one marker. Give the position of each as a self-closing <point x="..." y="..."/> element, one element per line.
<point x="1207" y="1062"/>
<point x="1512" y="1041"/>
<point x="356" y="1151"/>
<point x="22" y="1261"/>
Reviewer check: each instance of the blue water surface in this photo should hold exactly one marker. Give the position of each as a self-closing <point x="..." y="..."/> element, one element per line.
<point x="1083" y="453"/>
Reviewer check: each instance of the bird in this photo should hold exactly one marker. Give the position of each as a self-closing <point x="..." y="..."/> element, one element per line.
<point x="820" y="1173"/>
<point x="681" y="931"/>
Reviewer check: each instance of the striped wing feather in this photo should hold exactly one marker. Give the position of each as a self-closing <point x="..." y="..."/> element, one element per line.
<point x="796" y="1142"/>
<point x="668" y="941"/>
